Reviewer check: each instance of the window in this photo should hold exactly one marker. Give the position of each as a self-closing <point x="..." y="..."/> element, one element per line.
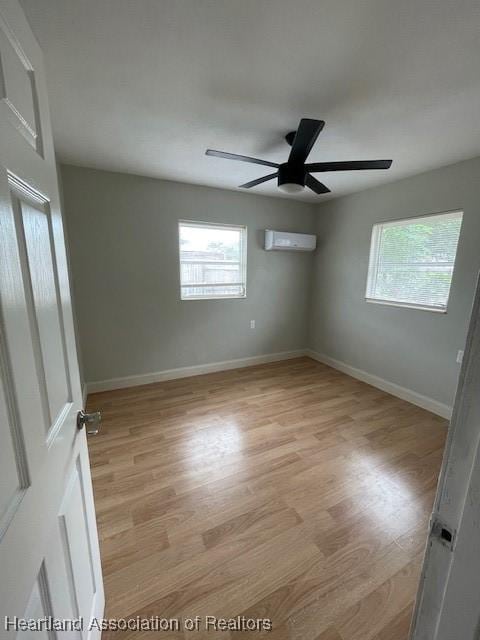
<point x="411" y="261"/>
<point x="213" y="260"/>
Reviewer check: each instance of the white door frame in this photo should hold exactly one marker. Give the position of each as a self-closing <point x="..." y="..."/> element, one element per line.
<point x="448" y="599"/>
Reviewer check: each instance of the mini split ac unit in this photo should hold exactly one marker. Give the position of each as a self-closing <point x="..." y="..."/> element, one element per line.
<point x="282" y="241"/>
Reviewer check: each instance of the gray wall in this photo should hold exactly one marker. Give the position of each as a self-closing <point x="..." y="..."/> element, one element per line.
<point x="122" y="231"/>
<point x="415" y="349"/>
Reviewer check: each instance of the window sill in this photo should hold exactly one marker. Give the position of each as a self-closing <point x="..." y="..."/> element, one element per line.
<point x="405" y="305"/>
<point x="242" y="297"/>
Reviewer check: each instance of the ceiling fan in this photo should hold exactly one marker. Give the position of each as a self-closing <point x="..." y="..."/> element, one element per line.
<point x="294" y="175"/>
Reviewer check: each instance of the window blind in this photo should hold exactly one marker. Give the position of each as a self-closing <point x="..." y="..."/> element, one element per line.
<point x="412" y="261"/>
<point x="212" y="260"/>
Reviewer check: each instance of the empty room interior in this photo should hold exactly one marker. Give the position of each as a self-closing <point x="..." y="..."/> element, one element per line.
<point x="240" y="243"/>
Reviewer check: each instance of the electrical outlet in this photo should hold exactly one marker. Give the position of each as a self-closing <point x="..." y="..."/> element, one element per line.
<point x="252" y="324"/>
<point x="460" y="356"/>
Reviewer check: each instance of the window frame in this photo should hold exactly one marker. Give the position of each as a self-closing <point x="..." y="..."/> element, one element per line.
<point x="374" y="255"/>
<point x="243" y="261"/>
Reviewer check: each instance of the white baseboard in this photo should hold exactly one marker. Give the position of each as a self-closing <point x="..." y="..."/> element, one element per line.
<point x="186" y="372"/>
<point x="443" y="410"/>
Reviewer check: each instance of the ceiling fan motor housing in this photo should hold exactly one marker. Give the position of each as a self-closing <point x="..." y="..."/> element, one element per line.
<point x="291" y="174"/>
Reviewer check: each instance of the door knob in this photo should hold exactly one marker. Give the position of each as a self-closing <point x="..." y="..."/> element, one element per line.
<point x="92" y="419"/>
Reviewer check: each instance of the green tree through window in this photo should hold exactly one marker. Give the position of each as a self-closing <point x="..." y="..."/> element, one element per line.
<point x="412" y="261"/>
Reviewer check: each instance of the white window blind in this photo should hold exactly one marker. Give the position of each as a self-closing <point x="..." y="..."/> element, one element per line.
<point x="213" y="260"/>
<point x="412" y="261"/>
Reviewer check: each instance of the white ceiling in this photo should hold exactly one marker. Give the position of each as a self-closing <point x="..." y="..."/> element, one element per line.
<point x="145" y="86"/>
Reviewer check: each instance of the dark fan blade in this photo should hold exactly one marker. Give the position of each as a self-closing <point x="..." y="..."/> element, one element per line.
<point x="352" y="165"/>
<point x="315" y="185"/>
<point x="235" y="156"/>
<point x="254" y="183"/>
<point x="305" y="138"/>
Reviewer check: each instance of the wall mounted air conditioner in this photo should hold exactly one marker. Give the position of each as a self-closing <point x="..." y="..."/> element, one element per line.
<point x="282" y="241"/>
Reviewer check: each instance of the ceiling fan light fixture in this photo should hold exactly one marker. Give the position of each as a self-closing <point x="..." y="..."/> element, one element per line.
<point x="291" y="178"/>
<point x="291" y="187"/>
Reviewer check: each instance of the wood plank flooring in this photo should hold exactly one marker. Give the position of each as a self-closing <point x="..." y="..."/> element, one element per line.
<point x="287" y="491"/>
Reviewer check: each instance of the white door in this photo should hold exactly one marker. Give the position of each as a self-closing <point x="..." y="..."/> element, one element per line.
<point x="49" y="557"/>
<point x="448" y="601"/>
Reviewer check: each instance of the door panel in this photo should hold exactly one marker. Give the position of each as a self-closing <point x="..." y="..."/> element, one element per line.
<point x="34" y="235"/>
<point x="38" y="607"/>
<point x="17" y="87"/>
<point x="76" y="546"/>
<point x="10" y="486"/>
<point x="49" y="556"/>
<point x="13" y="461"/>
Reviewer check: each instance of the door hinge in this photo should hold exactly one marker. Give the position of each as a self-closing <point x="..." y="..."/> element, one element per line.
<point x="443" y="533"/>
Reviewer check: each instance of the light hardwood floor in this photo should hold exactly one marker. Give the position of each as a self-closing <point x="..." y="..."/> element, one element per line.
<point x="287" y="491"/>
